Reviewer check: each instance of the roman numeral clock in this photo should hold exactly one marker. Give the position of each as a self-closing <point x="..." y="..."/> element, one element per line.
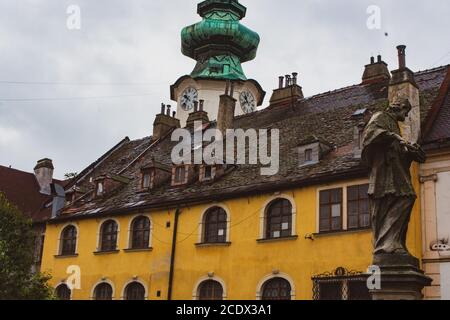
<point x="220" y="44"/>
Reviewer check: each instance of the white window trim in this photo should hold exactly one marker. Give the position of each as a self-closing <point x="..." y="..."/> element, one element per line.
<point x="99" y="228"/>
<point x="100" y="282"/>
<point x="263" y="213"/>
<point x="201" y="224"/>
<point x="259" y="288"/>
<point x="196" y="291"/>
<point x="138" y="280"/>
<point x="344" y="186"/>
<point x="58" y="245"/>
<point x="130" y="222"/>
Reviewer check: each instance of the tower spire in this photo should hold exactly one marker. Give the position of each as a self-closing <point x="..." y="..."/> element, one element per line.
<point x="219" y="43"/>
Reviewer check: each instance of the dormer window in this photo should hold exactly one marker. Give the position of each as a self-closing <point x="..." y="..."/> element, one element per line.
<point x="179" y="175"/>
<point x="207" y="173"/>
<point x="308" y="155"/>
<point x="100" y="189"/>
<point x="146" y="179"/>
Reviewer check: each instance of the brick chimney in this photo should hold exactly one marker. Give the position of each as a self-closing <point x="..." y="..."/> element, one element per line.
<point x="288" y="90"/>
<point x="164" y="122"/>
<point x="376" y="71"/>
<point x="227" y="105"/>
<point x="403" y="85"/>
<point x="43" y="172"/>
<point x="197" y="115"/>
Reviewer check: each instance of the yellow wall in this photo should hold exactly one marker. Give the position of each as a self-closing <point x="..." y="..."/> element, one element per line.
<point x="151" y="267"/>
<point x="241" y="265"/>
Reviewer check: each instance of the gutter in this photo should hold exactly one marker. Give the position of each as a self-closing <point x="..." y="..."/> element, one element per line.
<point x="172" y="254"/>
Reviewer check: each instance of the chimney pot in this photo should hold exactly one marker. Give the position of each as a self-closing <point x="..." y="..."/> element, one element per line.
<point x="168" y="110"/>
<point x="201" y="104"/>
<point x="294" y="78"/>
<point x="195" y="106"/>
<point x="280" y="82"/>
<point x="174" y="114"/>
<point x="401" y="56"/>
<point x="379" y="58"/>
<point x="163" y="108"/>
<point x="372" y="60"/>
<point x="288" y="80"/>
<point x="227" y="87"/>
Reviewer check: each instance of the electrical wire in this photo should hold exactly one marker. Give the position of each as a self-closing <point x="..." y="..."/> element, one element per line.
<point x="72" y="98"/>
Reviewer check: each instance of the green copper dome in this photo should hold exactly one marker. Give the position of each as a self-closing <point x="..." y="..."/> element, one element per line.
<point x="219" y="42"/>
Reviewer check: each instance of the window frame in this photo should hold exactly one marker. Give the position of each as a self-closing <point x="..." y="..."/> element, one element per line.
<point x="269" y="281"/>
<point x="263" y="213"/>
<point x="132" y="231"/>
<point x="205" y="224"/>
<point x="62" y="239"/>
<point x="358" y="201"/>
<point x="331" y="203"/>
<point x="102" y="283"/>
<point x="144" y="173"/>
<point x="63" y="284"/>
<point x="269" y="219"/>
<point x="344" y="186"/>
<point x="100" y="248"/>
<point x="206" y="282"/>
<point x="134" y="282"/>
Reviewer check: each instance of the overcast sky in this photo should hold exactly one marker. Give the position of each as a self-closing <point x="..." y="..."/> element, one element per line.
<point x="132" y="48"/>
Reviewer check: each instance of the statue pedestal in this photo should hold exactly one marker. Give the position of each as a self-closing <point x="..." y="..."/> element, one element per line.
<point x="401" y="278"/>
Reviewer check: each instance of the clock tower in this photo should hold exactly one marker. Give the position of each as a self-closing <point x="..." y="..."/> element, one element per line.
<point x="219" y="43"/>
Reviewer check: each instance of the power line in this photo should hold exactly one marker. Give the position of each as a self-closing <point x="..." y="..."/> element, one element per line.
<point x="56" y="83"/>
<point x="73" y="98"/>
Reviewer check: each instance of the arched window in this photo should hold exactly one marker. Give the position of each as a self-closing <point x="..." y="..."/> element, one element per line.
<point x="69" y="241"/>
<point x="134" y="291"/>
<point x="210" y="290"/>
<point x="103" y="291"/>
<point x="63" y="292"/>
<point x="215" y="229"/>
<point x="108" y="236"/>
<point x="140" y="233"/>
<point x="276" y="289"/>
<point x="279" y="219"/>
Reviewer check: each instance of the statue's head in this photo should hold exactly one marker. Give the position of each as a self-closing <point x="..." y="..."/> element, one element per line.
<point x="400" y="108"/>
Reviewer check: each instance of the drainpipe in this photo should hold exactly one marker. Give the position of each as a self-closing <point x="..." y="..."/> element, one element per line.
<point x="172" y="255"/>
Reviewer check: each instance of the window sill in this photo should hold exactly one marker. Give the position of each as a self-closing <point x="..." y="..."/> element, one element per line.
<point x="290" y="238"/>
<point x="65" y="256"/>
<point x="339" y="232"/>
<point x="138" y="250"/>
<point x="213" y="244"/>
<point x="99" y="253"/>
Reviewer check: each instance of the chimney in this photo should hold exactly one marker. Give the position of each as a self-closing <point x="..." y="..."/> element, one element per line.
<point x="401" y="56"/>
<point x="376" y="72"/>
<point x="164" y="122"/>
<point x="403" y="85"/>
<point x="43" y="172"/>
<point x="225" y="116"/>
<point x="291" y="92"/>
<point x="198" y="115"/>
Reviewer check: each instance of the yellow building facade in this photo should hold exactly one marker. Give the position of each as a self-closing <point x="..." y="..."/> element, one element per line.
<point x="241" y="265"/>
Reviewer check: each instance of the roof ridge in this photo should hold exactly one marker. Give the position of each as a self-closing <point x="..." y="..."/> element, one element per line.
<point x="432" y="69"/>
<point x="18" y="170"/>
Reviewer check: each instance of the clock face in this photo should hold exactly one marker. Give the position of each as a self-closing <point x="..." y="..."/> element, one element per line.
<point x="188" y="97"/>
<point x="248" y="102"/>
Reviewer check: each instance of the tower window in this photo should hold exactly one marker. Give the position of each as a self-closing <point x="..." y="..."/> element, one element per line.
<point x="146" y="179"/>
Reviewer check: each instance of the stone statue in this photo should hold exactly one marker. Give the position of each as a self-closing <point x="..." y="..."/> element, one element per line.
<point x="391" y="193"/>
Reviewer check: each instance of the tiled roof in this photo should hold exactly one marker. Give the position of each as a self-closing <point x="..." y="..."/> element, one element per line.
<point x="326" y="116"/>
<point x="22" y="189"/>
<point x="437" y="128"/>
